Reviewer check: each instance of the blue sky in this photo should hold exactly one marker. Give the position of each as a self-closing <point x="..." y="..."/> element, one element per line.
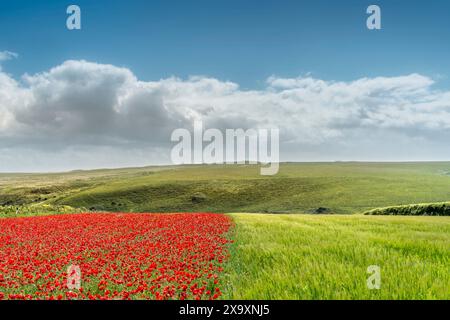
<point x="243" y="41"/>
<point x="112" y="93"/>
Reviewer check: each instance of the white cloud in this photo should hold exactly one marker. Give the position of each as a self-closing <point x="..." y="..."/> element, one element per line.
<point x="7" y="55"/>
<point x="82" y="107"/>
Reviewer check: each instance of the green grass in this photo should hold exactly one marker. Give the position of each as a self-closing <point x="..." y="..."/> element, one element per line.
<point x="340" y="187"/>
<point x="37" y="210"/>
<point x="326" y="257"/>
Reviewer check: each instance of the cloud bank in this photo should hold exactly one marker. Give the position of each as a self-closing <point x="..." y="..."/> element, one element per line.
<point x="84" y="115"/>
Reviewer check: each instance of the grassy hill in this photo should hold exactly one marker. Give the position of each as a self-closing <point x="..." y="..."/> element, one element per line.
<point x="341" y="187"/>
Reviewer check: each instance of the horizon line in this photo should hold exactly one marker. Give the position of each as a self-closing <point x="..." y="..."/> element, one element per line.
<point x="68" y="171"/>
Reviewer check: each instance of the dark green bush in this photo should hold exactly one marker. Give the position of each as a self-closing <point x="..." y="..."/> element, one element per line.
<point x="423" y="209"/>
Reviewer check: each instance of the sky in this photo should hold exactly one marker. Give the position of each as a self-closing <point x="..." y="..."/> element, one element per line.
<point x="110" y="94"/>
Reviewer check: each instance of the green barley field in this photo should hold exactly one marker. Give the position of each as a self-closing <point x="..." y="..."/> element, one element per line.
<point x="326" y="257"/>
<point x="303" y="235"/>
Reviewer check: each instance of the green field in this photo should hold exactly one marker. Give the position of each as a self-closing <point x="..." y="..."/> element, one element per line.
<point x="341" y="188"/>
<point x="326" y="257"/>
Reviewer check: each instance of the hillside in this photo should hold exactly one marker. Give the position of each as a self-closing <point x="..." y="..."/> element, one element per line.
<point x="299" y="187"/>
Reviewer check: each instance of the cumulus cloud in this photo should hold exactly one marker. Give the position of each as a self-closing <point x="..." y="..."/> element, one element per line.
<point x="85" y="114"/>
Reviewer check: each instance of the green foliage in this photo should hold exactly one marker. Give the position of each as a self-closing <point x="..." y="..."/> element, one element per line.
<point x="327" y="256"/>
<point x="423" y="209"/>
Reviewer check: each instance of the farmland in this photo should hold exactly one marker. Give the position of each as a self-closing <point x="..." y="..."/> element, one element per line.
<point x="326" y="257"/>
<point x="302" y="235"/>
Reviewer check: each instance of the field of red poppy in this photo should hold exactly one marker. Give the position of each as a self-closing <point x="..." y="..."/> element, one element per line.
<point x="113" y="256"/>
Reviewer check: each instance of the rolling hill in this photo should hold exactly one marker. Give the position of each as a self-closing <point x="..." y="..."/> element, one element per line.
<point x="340" y="187"/>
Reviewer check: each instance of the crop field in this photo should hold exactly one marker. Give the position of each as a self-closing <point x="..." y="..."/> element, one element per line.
<point x="326" y="257"/>
<point x="303" y="233"/>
